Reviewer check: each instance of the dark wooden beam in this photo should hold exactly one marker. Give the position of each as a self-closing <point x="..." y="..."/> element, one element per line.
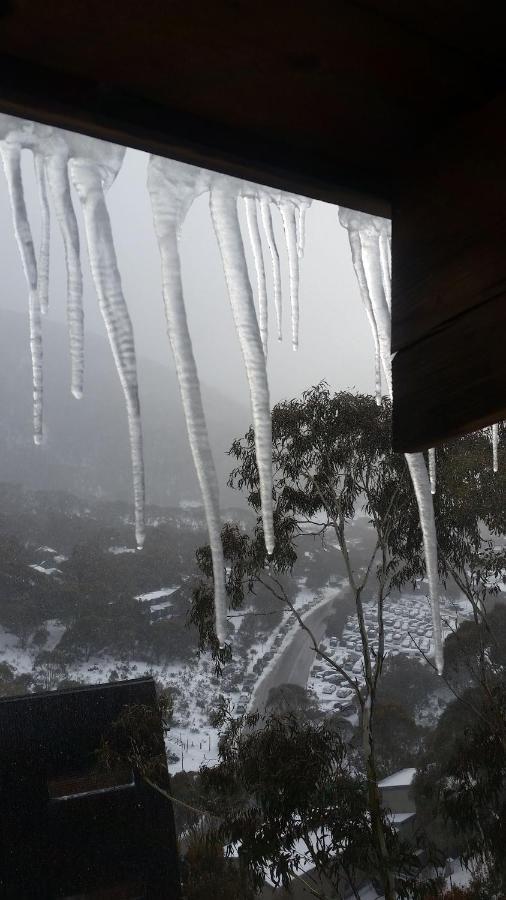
<point x="326" y="100"/>
<point x="449" y="283"/>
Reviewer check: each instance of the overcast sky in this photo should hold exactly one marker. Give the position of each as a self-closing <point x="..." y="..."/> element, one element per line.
<point x="335" y="343"/>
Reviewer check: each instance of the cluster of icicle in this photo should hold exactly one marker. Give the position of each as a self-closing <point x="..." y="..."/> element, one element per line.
<point x="370" y="240"/>
<point x="173" y="187"/>
<point x="63" y="159"/>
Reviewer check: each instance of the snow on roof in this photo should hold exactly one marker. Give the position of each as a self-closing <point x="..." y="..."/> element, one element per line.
<point x="118" y="550"/>
<point x="52" y="570"/>
<point x="157" y="606"/>
<point x="45" y="550"/>
<point x="402" y="778"/>
<point x="399" y="818"/>
<point x="156" y="595"/>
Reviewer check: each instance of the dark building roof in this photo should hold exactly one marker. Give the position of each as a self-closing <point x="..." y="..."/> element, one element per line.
<point x="66" y="827"/>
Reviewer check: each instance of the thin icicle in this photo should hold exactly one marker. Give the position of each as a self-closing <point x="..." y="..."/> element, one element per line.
<point x="364" y="232"/>
<point x="421" y="484"/>
<point x="495" y="447"/>
<point x="358" y="265"/>
<point x="287" y="210"/>
<point x="256" y="246"/>
<point x="172" y="188"/>
<point x="432" y="470"/>
<point x="301" y="227"/>
<point x="43" y="261"/>
<point x="226" y="225"/>
<point x="265" y="211"/>
<point x="11" y="157"/>
<point x="88" y="176"/>
<point x="386" y="263"/>
<point x="57" y="176"/>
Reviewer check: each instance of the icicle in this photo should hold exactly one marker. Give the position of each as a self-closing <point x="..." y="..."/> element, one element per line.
<point x="172" y="188"/>
<point x="90" y="171"/>
<point x="421" y="484"/>
<point x="226" y="225"/>
<point x="364" y="233"/>
<point x="57" y="176"/>
<point x="301" y="227"/>
<point x="256" y="246"/>
<point x="11" y="157"/>
<point x="43" y="261"/>
<point x="495" y="447"/>
<point x="432" y="470"/>
<point x="287" y="210"/>
<point x="356" y="255"/>
<point x="386" y="263"/>
<point x="265" y="211"/>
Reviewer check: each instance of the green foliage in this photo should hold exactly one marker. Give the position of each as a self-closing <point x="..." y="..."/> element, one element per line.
<point x="12" y="684"/>
<point x="398" y="739"/>
<point x="294" y="699"/>
<point x="135" y="737"/>
<point x="462" y="781"/>
<point x="406" y="682"/>
<point x="285" y="793"/>
<point x="207" y="874"/>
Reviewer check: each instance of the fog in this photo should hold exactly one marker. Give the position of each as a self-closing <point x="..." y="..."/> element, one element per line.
<point x="335" y="342"/>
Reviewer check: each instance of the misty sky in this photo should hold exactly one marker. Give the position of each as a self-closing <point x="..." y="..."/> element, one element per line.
<point x="335" y="343"/>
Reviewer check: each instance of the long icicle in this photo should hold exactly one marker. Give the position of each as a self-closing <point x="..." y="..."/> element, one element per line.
<point x="301" y="228"/>
<point x="11" y="157"/>
<point x="57" y="176"/>
<point x="265" y="212"/>
<point x="386" y="264"/>
<point x="356" y="255"/>
<point x="432" y="470"/>
<point x="45" y="232"/>
<point x="87" y="178"/>
<point x="369" y="252"/>
<point x="170" y="199"/>
<point x="256" y="246"/>
<point x="495" y="447"/>
<point x="226" y="225"/>
<point x="287" y="210"/>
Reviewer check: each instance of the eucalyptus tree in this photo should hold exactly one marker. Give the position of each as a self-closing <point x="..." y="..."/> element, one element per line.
<point x="332" y="460"/>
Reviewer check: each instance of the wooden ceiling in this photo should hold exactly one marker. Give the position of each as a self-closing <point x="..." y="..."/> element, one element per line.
<point x="351" y="102"/>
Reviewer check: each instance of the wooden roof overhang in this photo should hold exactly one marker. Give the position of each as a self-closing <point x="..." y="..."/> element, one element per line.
<point x="393" y="107"/>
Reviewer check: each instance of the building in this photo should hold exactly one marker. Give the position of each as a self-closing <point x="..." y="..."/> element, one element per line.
<point x="69" y="828"/>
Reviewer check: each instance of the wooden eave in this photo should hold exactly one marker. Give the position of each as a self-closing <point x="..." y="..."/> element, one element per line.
<point x="389" y="106"/>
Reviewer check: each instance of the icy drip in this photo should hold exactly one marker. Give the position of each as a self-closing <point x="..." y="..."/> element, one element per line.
<point x="172" y="188"/>
<point x="432" y="470"/>
<point x="265" y="212"/>
<point x="358" y="265"/>
<point x="256" y="246"/>
<point x="88" y="178"/>
<point x="226" y="225"/>
<point x="495" y="447"/>
<point x="421" y="484"/>
<point x="287" y="210"/>
<point x="43" y="261"/>
<point x="301" y="227"/>
<point x="386" y="262"/>
<point x="11" y="157"/>
<point x="365" y="232"/>
<point x="57" y="176"/>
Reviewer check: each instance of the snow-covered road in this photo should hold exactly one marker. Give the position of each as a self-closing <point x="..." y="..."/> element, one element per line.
<point x="294" y="661"/>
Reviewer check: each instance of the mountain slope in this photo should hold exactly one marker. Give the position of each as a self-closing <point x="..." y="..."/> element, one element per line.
<point x="86" y="442"/>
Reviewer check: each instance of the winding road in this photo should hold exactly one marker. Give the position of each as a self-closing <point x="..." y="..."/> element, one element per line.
<point x="294" y="661"/>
